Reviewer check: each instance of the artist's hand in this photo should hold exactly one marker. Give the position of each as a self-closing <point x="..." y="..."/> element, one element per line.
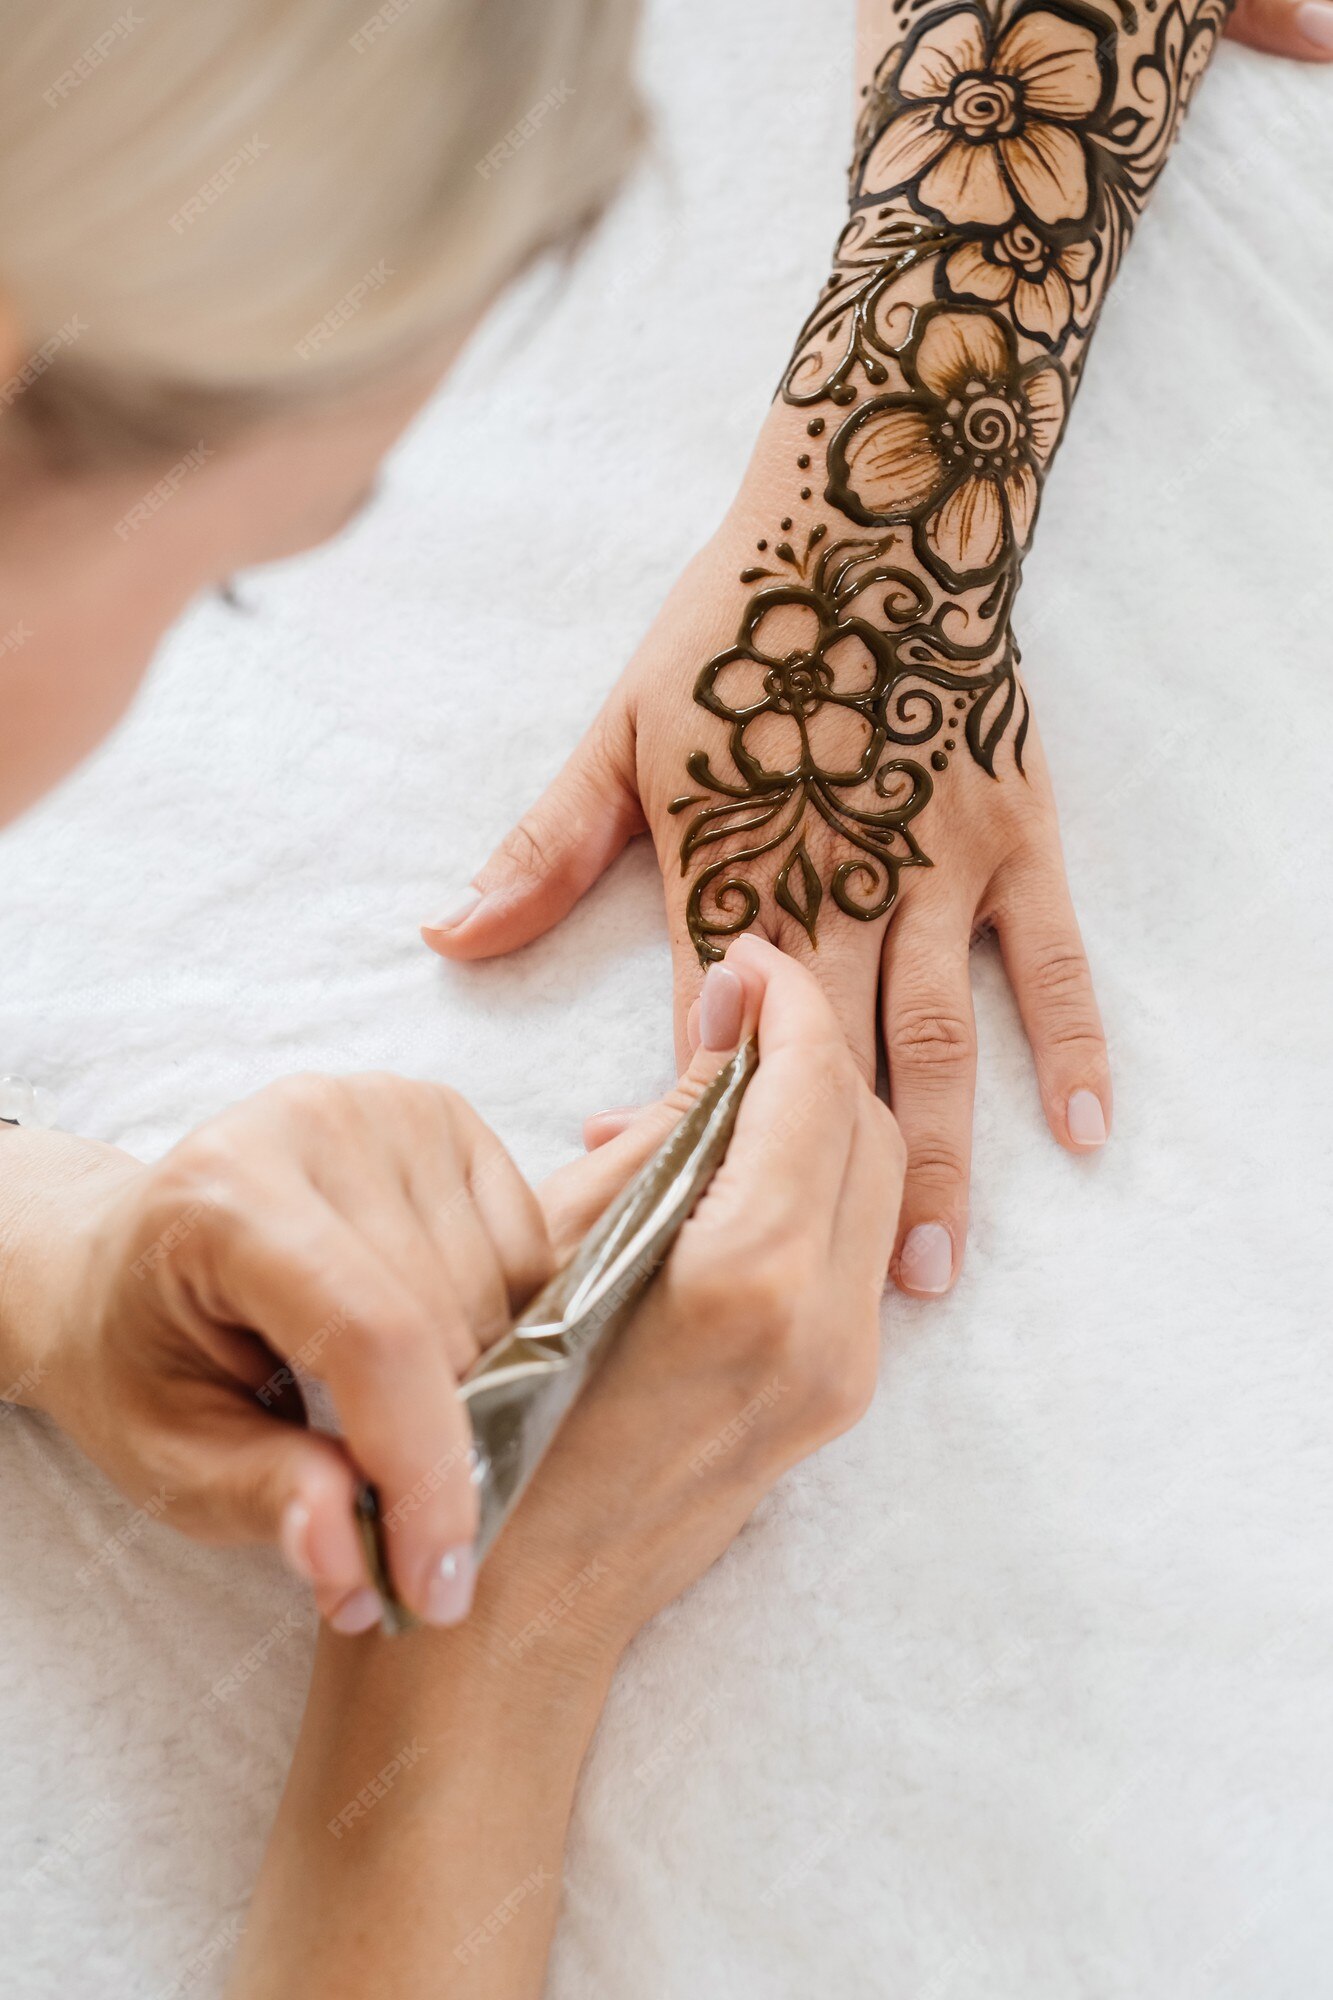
<point x="758" y="1342"/>
<point x="369" y="1230"/>
<point x="995" y="849"/>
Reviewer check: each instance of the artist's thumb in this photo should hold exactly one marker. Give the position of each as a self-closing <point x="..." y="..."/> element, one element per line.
<point x="1300" y="28"/>
<point x="555" y="853"/>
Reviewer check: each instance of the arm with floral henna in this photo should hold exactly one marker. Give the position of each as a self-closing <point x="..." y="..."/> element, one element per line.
<point x="826" y="731"/>
<point x="1001" y="163"/>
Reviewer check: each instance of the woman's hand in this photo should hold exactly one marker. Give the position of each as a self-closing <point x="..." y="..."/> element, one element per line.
<point x="370" y="1232"/>
<point x="995" y="860"/>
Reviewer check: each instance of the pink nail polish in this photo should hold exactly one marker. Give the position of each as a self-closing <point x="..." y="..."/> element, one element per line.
<point x="294" y="1539"/>
<point x="1315" y="21"/>
<point x="721" y="1009"/>
<point x="1086" y="1119"/>
<point x="356" y="1613"/>
<point x="926" y="1264"/>
<point x="450" y="1586"/>
<point x="460" y="912"/>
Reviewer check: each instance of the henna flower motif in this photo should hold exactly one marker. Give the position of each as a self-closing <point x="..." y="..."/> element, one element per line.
<point x="807" y="691"/>
<point x="1041" y="286"/>
<point x="962" y="456"/>
<point x="992" y="128"/>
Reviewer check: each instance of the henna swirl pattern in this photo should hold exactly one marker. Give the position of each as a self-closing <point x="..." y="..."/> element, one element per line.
<point x="1003" y="157"/>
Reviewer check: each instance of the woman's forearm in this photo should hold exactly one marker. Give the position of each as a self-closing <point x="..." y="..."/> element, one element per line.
<point x="418" y="1850"/>
<point x="1001" y="163"/>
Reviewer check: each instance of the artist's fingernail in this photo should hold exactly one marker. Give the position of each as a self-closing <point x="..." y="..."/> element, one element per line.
<point x="604" y="1125"/>
<point x="926" y="1264"/>
<point x="460" y="912"/>
<point x="356" y="1613"/>
<point x="294" y="1539"/>
<point x="1086" y="1119"/>
<point x="721" y="1009"/>
<point x="1315" y="21"/>
<point x="449" y="1587"/>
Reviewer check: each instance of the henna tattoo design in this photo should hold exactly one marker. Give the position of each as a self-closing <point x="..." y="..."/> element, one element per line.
<point x="1003" y="156"/>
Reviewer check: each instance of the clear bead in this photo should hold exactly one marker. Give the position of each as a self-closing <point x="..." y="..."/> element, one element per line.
<point x="18" y="1101"/>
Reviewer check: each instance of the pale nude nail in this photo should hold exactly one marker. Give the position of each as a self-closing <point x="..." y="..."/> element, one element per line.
<point x="460" y="912"/>
<point x="926" y="1264"/>
<point x="450" y="1586"/>
<point x="356" y="1613"/>
<point x="620" y="1117"/>
<point x="1086" y="1119"/>
<point x="721" y="1009"/>
<point x="1315" y="21"/>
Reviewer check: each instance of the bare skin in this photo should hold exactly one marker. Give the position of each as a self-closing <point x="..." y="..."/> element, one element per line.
<point x="758" y="1343"/>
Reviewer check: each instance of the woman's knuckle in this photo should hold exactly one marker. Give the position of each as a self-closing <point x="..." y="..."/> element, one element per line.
<point x="1060" y="973"/>
<point x="936" y="1163"/>
<point x="932" y="1038"/>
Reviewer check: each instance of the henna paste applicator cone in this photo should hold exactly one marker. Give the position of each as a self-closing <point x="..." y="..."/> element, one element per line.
<point x="520" y="1392"/>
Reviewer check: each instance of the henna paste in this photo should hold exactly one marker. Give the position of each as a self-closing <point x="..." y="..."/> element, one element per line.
<point x="1002" y="159"/>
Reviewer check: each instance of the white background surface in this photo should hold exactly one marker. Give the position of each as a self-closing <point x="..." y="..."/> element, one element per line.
<point x="1023" y="1690"/>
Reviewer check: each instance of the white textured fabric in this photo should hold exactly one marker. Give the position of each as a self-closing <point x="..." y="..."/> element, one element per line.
<point x="1022" y="1691"/>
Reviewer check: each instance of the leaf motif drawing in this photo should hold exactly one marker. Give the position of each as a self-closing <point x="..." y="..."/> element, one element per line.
<point x="798" y="890"/>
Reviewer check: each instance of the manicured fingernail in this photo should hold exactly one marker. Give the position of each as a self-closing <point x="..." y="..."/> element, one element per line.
<point x="449" y="1587"/>
<point x="294" y="1539"/>
<point x="926" y="1264"/>
<point x="721" y="1009"/>
<point x="1315" y="21"/>
<point x="1086" y="1119"/>
<point x="460" y="912"/>
<point x="610" y="1124"/>
<point x="356" y="1613"/>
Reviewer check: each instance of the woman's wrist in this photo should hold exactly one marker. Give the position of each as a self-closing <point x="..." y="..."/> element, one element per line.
<point x="50" y="1182"/>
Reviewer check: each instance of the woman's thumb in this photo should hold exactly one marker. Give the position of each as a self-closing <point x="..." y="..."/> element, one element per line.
<point x="1300" y="28"/>
<point x="555" y="853"/>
